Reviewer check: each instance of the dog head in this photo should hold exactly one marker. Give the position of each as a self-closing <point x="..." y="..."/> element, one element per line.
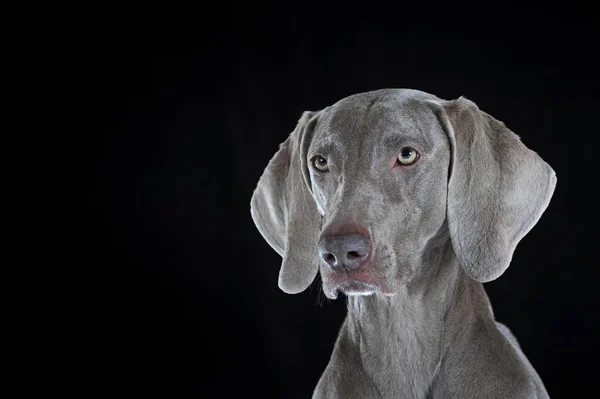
<point x="367" y="188"/>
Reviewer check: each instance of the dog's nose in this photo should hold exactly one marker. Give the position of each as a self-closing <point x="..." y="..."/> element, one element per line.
<point x="344" y="252"/>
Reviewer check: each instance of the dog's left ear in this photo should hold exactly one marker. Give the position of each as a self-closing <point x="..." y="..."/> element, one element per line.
<point x="285" y="212"/>
<point x="497" y="190"/>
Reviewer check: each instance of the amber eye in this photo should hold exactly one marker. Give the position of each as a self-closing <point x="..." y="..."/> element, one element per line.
<point x="320" y="163"/>
<point x="407" y="156"/>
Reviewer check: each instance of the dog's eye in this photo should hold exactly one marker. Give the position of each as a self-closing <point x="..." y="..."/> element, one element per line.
<point x="407" y="156"/>
<point x="320" y="163"/>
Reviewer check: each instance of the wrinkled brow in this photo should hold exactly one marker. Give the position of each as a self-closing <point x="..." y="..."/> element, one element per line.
<point x="409" y="131"/>
<point x="394" y="141"/>
<point x="326" y="143"/>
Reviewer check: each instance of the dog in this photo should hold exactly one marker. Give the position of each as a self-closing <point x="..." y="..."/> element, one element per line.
<point x="406" y="203"/>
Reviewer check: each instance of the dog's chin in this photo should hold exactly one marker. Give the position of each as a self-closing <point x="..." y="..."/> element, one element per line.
<point x="355" y="288"/>
<point x="351" y="287"/>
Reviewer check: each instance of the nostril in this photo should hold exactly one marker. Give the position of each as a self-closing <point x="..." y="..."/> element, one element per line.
<point x="354" y="255"/>
<point x="329" y="258"/>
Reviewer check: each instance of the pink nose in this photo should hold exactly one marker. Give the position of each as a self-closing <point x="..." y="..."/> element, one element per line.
<point x="344" y="252"/>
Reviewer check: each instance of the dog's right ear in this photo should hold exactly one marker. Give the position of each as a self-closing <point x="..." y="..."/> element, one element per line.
<point x="497" y="191"/>
<point x="284" y="210"/>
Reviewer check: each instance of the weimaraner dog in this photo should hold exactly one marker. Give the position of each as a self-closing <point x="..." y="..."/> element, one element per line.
<point x="407" y="203"/>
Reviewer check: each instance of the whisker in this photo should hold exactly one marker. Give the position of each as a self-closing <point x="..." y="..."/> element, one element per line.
<point x="320" y="292"/>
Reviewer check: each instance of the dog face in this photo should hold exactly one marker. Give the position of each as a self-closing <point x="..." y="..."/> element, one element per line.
<point x="378" y="169"/>
<point x="367" y="188"/>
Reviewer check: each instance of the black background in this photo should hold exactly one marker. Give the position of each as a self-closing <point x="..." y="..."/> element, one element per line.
<point x="193" y="104"/>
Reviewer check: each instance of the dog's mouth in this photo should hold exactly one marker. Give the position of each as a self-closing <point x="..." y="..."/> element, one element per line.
<point x="352" y="287"/>
<point x="355" y="283"/>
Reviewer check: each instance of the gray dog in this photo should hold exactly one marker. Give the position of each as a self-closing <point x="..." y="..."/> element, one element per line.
<point x="407" y="203"/>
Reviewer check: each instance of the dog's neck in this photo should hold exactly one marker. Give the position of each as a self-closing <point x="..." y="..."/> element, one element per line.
<point x="402" y="338"/>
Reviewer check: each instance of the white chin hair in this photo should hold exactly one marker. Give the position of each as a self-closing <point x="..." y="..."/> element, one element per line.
<point x="359" y="293"/>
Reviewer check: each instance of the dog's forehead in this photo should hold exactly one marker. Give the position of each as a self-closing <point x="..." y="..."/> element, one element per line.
<point x="378" y="114"/>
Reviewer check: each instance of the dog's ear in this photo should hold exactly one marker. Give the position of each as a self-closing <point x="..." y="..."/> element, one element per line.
<point x="497" y="190"/>
<point x="284" y="210"/>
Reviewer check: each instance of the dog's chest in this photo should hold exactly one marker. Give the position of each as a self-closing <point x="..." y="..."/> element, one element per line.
<point x="399" y="366"/>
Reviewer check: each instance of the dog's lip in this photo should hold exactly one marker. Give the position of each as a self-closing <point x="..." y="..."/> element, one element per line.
<point x="358" y="279"/>
<point x="365" y="274"/>
<point x="355" y="286"/>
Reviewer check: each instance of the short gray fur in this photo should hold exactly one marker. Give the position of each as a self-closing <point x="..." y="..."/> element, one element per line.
<point x="439" y="229"/>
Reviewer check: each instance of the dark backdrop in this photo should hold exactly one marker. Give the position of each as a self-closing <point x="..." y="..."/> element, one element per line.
<point x="192" y="107"/>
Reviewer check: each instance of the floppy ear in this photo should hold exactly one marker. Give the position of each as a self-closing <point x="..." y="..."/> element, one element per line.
<point x="284" y="210"/>
<point x="497" y="191"/>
